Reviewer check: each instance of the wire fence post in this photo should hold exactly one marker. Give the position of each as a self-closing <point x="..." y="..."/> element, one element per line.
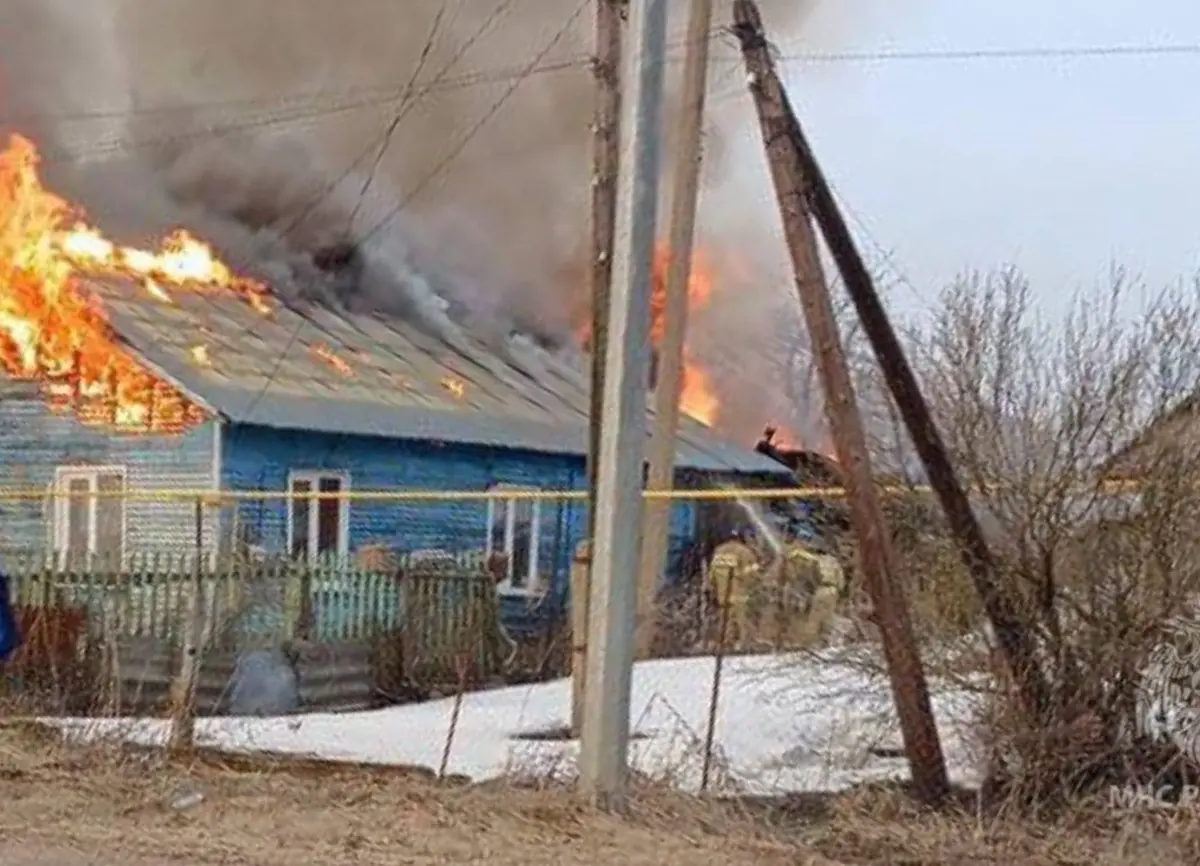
<point x="710" y="732"/>
<point x="463" y="670"/>
<point x="183" y="716"/>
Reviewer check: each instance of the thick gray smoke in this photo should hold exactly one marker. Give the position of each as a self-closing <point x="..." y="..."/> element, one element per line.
<point x="492" y="234"/>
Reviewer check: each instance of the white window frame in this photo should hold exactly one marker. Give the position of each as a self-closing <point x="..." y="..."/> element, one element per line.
<point x="63" y="476"/>
<point x="314" y="477"/>
<point x="533" y="578"/>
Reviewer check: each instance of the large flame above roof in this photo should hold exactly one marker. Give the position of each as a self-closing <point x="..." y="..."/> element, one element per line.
<point x="698" y="399"/>
<point x="54" y="331"/>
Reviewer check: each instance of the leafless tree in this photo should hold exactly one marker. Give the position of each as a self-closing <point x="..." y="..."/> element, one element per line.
<point x="1040" y="415"/>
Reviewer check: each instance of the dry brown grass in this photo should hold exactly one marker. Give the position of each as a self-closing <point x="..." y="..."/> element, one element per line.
<point x="61" y="802"/>
<point x="102" y="805"/>
<point x="880" y="825"/>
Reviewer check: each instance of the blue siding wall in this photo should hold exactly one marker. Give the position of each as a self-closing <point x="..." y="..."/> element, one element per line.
<point x="35" y="441"/>
<point x="258" y="458"/>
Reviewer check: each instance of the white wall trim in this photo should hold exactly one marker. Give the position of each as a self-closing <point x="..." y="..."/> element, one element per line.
<point x="217" y="521"/>
<point x="61" y="503"/>
<point x="314" y="477"/>
<point x="533" y="578"/>
<point x="218" y="466"/>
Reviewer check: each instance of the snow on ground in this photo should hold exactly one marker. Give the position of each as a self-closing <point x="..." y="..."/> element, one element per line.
<point x="784" y="724"/>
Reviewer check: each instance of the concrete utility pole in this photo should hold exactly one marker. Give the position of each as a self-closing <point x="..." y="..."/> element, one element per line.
<point x="617" y="546"/>
<point x="685" y="189"/>
<point x="909" y="688"/>
<point x="606" y="66"/>
<point x="1015" y="641"/>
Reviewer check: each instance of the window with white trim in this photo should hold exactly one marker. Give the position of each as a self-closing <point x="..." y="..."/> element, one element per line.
<point x="514" y="531"/>
<point x="318" y="519"/>
<point x="89" y="512"/>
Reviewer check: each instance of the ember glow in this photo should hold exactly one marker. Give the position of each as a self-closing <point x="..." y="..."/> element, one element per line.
<point x="200" y="356"/>
<point x="456" y="387"/>
<point x="331" y="358"/>
<point x="53" y="331"/>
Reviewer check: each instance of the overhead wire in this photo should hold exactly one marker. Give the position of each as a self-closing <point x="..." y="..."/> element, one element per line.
<point x="465" y="141"/>
<point x="500" y="10"/>
<point x="294" y="115"/>
<point x="384" y="93"/>
<point x="295" y="335"/>
<point x="405" y="104"/>
<point x="306" y="107"/>
<point x="385" y="141"/>
<point x="450" y="156"/>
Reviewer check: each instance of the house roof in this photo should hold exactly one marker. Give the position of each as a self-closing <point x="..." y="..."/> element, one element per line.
<point x="1175" y="427"/>
<point x="401" y="382"/>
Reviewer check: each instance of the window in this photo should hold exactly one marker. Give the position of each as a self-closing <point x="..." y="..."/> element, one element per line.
<point x="318" y="526"/>
<point x="514" y="531"/>
<point x="87" y="524"/>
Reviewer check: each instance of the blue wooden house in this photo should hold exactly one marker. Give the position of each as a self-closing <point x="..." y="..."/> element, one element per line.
<point x="307" y="400"/>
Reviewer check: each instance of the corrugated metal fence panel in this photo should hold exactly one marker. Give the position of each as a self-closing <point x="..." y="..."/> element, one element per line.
<point x="329" y="677"/>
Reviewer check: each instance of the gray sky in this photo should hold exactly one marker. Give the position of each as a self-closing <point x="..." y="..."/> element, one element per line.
<point x="1059" y="165"/>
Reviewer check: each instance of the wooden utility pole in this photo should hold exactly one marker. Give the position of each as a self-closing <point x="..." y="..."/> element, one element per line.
<point x="1015" y="641"/>
<point x="604" y="744"/>
<point x="909" y="688"/>
<point x="606" y="66"/>
<point x="685" y="189"/>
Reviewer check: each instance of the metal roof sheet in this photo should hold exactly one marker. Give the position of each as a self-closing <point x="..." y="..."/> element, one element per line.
<point x="314" y="368"/>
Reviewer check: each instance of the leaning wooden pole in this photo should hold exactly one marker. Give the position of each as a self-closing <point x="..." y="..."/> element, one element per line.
<point x="1015" y="641"/>
<point x="606" y="66"/>
<point x="685" y="194"/>
<point x="909" y="687"/>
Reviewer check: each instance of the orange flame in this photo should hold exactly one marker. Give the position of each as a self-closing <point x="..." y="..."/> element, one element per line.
<point x="698" y="399"/>
<point x="54" y="332"/>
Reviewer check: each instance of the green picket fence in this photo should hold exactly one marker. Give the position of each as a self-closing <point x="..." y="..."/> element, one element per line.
<point x="441" y="606"/>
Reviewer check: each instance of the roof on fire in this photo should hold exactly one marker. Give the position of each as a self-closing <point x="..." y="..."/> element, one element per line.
<point x="402" y="382"/>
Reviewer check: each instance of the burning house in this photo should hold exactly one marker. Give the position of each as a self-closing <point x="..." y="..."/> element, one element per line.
<point x="129" y="370"/>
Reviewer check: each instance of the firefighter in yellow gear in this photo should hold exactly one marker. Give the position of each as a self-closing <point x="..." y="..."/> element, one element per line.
<point x="812" y="584"/>
<point x="734" y="573"/>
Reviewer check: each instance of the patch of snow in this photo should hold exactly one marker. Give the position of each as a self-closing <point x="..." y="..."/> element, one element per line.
<point x="784" y="724"/>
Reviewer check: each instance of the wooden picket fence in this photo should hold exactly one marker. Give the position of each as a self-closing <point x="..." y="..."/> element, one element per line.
<point x="437" y="614"/>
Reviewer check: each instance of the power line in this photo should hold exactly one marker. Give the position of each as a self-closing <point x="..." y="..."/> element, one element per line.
<point x="387" y="92"/>
<point x="406" y="104"/>
<point x="1047" y="53"/>
<point x="297" y="117"/>
<point x="453" y="154"/>
<point x="112" y="147"/>
<point x="487" y="24"/>
<point x="887" y="257"/>
<point x="295" y="335"/>
<point x="474" y="130"/>
<point x="385" y="140"/>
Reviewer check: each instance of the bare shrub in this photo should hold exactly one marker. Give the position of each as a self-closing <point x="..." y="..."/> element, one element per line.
<point x="1040" y="416"/>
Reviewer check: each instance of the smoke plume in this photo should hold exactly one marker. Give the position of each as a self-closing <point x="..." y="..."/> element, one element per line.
<point x="474" y="214"/>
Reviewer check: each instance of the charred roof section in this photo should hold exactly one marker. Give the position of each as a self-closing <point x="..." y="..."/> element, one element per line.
<point x="312" y="367"/>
